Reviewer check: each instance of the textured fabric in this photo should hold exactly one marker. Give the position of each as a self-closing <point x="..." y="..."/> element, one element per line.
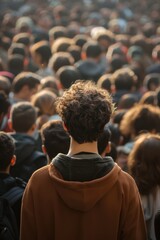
<point x="151" y="205"/>
<point x="105" y="208"/>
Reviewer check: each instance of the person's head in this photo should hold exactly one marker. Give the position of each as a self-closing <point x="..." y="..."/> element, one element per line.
<point x="149" y="97"/>
<point x="23" y="117"/>
<point x="25" y="84"/>
<point x="92" y="49"/>
<point x="85" y="110"/>
<point x="23" y="38"/>
<point x="105" y="82"/>
<point x="7" y="149"/>
<point x="17" y="48"/>
<point x="67" y="75"/>
<point x="15" y="64"/>
<point x="144" y="162"/>
<point x="124" y="79"/>
<point x="152" y="81"/>
<point x="60" y="59"/>
<point x="54" y="138"/>
<point x="44" y="101"/>
<point x="75" y="52"/>
<point x="127" y="101"/>
<point x="41" y="53"/>
<point x="50" y="83"/>
<point x="61" y="44"/>
<point x="5" y="85"/>
<point x="140" y="118"/>
<point x="57" y="32"/>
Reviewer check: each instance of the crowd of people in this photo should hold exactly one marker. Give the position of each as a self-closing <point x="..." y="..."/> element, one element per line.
<point x="80" y="80"/>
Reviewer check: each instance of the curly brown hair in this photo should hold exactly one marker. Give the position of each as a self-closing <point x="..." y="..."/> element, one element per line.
<point x="85" y="110"/>
<point x="144" y="162"/>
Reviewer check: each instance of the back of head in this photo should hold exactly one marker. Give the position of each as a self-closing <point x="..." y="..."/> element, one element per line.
<point x="5" y="85"/>
<point x="61" y="44"/>
<point x="124" y="79"/>
<point x="55" y="138"/>
<point x="85" y="110"/>
<point x="140" y="118"/>
<point x="92" y="49"/>
<point x="60" y="59"/>
<point x="144" y="162"/>
<point x="16" y="64"/>
<point x="42" y="49"/>
<point x="152" y="81"/>
<point x="127" y="101"/>
<point x="4" y="103"/>
<point x="156" y="53"/>
<point x="23" y="116"/>
<point x="6" y="150"/>
<point x="44" y="101"/>
<point x="23" y="38"/>
<point x="25" y="78"/>
<point x="17" y="48"/>
<point x="68" y="75"/>
<point x="105" y="82"/>
<point x="57" y="32"/>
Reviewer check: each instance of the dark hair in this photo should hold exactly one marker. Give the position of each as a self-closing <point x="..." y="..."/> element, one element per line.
<point x="25" y="78"/>
<point x="23" y="116"/>
<point x="4" y="103"/>
<point x="5" y="85"/>
<point x="23" y="38"/>
<point x="140" y="118"/>
<point x="60" y="59"/>
<point x="42" y="48"/>
<point x="15" y="63"/>
<point x="152" y="81"/>
<point x="55" y="138"/>
<point x="57" y="32"/>
<point x="67" y="75"/>
<point x="17" y="48"/>
<point x="92" y="49"/>
<point x="7" y="149"/>
<point x="104" y="139"/>
<point x="85" y="110"/>
<point x="144" y="162"/>
<point x="124" y="79"/>
<point x="105" y="82"/>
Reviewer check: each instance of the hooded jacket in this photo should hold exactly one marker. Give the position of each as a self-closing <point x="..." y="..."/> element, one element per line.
<point x="104" y="208"/>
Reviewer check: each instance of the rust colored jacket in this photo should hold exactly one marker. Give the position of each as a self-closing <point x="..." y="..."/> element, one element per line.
<point x="107" y="208"/>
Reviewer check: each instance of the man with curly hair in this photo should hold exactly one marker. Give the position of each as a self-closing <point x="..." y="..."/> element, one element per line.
<point x="82" y="196"/>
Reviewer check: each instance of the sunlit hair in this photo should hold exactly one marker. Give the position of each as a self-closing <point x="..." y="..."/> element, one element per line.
<point x="144" y="162"/>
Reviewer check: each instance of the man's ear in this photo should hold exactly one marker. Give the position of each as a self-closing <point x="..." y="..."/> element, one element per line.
<point x="64" y="126"/>
<point x="44" y="149"/>
<point x="10" y="124"/>
<point x="13" y="160"/>
<point x="108" y="148"/>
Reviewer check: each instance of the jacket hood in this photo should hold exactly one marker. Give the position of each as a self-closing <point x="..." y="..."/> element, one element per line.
<point x="25" y="146"/>
<point x="83" y="196"/>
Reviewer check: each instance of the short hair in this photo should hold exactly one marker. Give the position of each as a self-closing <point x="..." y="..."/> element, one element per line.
<point x="23" y="38"/>
<point x="152" y="81"/>
<point x="17" y="48"/>
<point x="105" y="82"/>
<point x="92" y="49"/>
<point x="44" y="101"/>
<point x="60" y="59"/>
<point x="4" y="103"/>
<point x="57" y="32"/>
<point x="25" y="78"/>
<point x="7" y="149"/>
<point x="156" y="52"/>
<point x="15" y="63"/>
<point x="144" y="162"/>
<point x="104" y="139"/>
<point x="5" y="85"/>
<point x="61" y="44"/>
<point x="85" y="110"/>
<point x="55" y="138"/>
<point x="140" y="118"/>
<point x="68" y="75"/>
<point x="23" y="116"/>
<point x="124" y="79"/>
<point x="43" y="49"/>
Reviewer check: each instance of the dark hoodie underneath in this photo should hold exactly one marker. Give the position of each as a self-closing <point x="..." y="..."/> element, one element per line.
<point x="83" y="167"/>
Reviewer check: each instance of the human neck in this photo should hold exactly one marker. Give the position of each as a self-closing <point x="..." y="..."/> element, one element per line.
<point x="84" y="147"/>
